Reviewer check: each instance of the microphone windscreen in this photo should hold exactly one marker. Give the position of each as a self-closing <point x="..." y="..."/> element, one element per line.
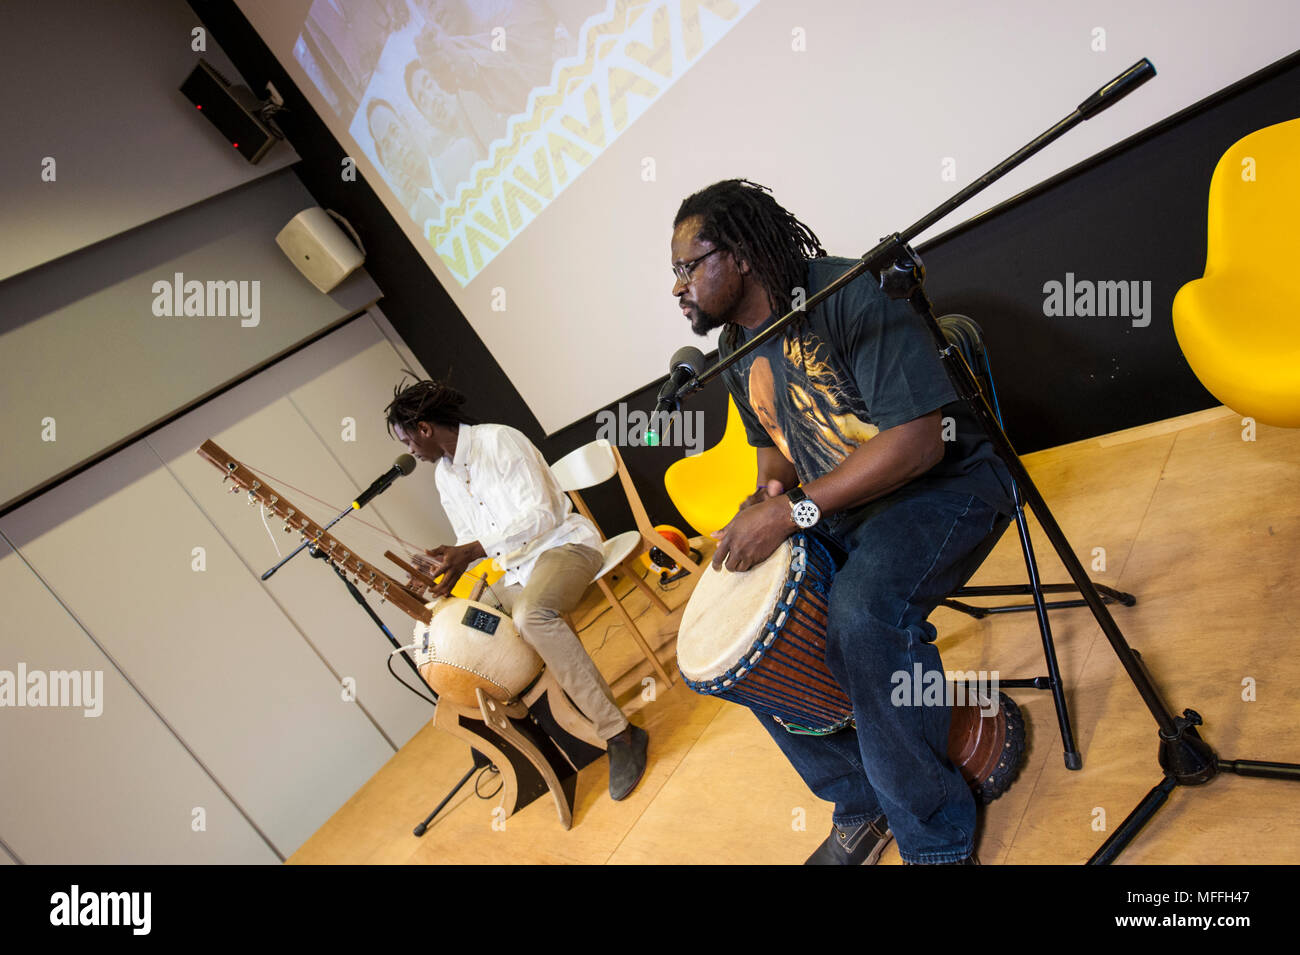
<point x="689" y="356"/>
<point x="404" y="463"/>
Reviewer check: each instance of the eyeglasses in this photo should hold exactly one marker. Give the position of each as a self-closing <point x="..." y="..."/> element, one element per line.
<point x="683" y="270"/>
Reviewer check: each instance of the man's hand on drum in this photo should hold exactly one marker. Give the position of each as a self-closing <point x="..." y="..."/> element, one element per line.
<point x="754" y="533"/>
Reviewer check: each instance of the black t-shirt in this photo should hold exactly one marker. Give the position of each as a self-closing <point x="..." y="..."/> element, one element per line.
<point x="860" y="363"/>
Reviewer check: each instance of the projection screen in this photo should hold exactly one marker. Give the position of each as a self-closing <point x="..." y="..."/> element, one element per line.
<point x="535" y="151"/>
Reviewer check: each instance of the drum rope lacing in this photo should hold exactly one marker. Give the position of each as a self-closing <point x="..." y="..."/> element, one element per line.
<point x="787" y="611"/>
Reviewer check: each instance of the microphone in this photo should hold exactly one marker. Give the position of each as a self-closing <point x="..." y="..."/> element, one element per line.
<point x="404" y="464"/>
<point x="687" y="362"/>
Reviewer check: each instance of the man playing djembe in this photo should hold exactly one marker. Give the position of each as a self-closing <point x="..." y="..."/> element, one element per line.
<point x="849" y="409"/>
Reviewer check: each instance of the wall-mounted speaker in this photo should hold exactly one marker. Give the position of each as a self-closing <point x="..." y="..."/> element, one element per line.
<point x="319" y="248"/>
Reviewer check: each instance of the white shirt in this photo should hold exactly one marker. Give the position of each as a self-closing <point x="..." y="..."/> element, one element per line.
<point x="499" y="491"/>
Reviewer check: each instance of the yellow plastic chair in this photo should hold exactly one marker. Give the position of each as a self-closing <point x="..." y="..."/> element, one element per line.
<point x="708" y="487"/>
<point x="1239" y="325"/>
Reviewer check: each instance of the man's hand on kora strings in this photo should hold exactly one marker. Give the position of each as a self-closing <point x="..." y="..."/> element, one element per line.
<point x="447" y="561"/>
<point x="754" y="534"/>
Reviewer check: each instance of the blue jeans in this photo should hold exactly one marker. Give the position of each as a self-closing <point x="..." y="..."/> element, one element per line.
<point x="905" y="553"/>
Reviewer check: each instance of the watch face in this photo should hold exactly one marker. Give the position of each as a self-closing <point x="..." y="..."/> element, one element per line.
<point x="806" y="513"/>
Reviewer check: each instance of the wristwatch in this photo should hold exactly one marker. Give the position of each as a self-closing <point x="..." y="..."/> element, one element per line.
<point x="802" y="509"/>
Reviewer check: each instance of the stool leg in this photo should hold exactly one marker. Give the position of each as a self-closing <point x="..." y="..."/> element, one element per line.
<point x="568" y="716"/>
<point x="445" y="717"/>
<point x="495" y="714"/>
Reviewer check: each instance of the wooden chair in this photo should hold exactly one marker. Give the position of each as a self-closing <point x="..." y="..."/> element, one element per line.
<point x="596" y="463"/>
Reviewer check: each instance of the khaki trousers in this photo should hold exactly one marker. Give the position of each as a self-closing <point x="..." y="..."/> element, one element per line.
<point x="559" y="579"/>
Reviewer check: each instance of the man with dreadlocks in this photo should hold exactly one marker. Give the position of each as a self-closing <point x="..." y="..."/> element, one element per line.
<point x="847" y="410"/>
<point x="504" y="502"/>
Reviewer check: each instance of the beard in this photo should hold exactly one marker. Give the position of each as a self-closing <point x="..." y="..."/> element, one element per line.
<point x="703" y="322"/>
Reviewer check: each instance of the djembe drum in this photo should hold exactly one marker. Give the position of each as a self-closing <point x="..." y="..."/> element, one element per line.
<point x="759" y="638"/>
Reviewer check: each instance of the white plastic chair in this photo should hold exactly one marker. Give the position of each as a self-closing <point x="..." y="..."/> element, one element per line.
<point x="596" y="463"/>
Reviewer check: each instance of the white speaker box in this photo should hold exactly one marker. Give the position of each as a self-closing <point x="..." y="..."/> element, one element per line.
<point x="319" y="248"/>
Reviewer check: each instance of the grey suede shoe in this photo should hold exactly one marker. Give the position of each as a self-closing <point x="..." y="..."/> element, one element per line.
<point x="856" y="845"/>
<point x="627" y="753"/>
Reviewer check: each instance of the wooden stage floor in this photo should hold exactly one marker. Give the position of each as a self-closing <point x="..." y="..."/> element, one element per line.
<point x="1201" y="525"/>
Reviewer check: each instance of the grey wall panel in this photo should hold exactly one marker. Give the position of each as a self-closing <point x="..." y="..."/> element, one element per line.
<point x="80" y="342"/>
<point x="297" y="441"/>
<point x="359" y="388"/>
<point x="278" y="442"/>
<point x="101" y="97"/>
<point x="117" y="787"/>
<point x="210" y="650"/>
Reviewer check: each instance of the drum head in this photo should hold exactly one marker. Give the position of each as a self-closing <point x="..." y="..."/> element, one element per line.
<point x="726" y="613"/>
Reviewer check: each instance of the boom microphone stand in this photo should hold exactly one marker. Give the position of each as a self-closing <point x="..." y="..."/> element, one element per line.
<point x="1185" y="758"/>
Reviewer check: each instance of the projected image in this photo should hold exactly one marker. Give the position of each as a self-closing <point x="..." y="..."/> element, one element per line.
<point x="477" y="113"/>
<point x="426" y="87"/>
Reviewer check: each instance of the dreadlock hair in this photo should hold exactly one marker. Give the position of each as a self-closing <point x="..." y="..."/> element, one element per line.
<point x="743" y="218"/>
<point x="430" y="401"/>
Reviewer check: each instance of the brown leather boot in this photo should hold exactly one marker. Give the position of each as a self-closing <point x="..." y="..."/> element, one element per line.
<point x="853" y="845"/>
